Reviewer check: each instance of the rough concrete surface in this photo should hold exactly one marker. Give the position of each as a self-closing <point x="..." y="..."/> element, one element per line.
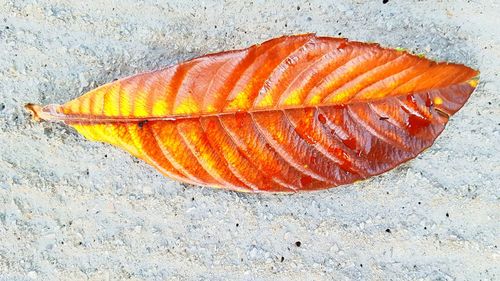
<point x="71" y="209"/>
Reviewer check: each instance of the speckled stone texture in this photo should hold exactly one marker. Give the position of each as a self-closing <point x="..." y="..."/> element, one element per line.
<point x="72" y="209"/>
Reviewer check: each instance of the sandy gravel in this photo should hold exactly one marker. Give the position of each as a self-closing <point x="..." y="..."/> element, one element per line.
<point x="71" y="209"/>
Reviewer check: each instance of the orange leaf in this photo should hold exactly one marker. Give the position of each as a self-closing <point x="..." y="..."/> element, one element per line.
<point x="293" y="113"/>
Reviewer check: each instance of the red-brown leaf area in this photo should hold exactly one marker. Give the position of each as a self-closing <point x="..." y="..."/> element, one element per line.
<point x="293" y="113"/>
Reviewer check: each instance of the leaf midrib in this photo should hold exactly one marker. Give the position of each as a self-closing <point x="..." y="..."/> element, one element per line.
<point x="61" y="117"/>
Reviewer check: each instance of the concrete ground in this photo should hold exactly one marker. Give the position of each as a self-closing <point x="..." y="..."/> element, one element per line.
<point x="72" y="209"/>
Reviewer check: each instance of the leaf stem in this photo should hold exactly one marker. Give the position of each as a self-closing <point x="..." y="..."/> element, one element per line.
<point x="42" y="113"/>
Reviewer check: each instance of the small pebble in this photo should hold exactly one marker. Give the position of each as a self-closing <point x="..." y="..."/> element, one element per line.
<point x="32" y="274"/>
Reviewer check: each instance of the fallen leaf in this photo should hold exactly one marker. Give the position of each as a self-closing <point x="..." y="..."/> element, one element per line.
<point x="293" y="113"/>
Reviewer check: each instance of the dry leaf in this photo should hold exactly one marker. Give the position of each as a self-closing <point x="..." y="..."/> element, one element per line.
<point x="293" y="113"/>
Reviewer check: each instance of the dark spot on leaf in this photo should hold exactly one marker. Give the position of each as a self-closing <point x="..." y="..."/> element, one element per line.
<point x="442" y="113"/>
<point x="351" y="143"/>
<point x="322" y="118"/>
<point x="341" y="45"/>
<point x="305" y="181"/>
<point x="428" y="101"/>
<point x="416" y="123"/>
<point x="141" y="123"/>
